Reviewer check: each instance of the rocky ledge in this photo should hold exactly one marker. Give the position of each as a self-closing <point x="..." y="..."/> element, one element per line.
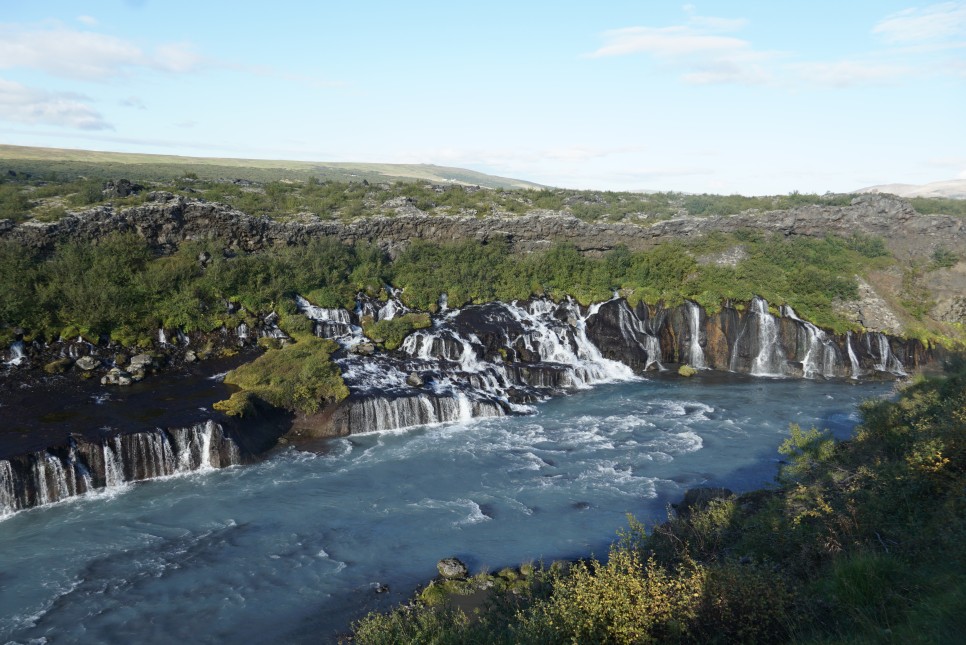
<point x="166" y="220"/>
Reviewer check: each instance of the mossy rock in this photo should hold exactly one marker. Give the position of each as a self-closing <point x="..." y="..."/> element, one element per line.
<point x="687" y="371"/>
<point x="59" y="366"/>
<point x="239" y="404"/>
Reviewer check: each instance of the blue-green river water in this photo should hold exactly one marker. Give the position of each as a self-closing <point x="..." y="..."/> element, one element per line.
<point x="292" y="548"/>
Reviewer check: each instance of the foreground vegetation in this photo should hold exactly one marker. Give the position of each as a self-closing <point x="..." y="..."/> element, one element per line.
<point x="862" y="541"/>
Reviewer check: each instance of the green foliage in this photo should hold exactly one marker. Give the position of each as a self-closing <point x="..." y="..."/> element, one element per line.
<point x="943" y="258"/>
<point x="939" y="206"/>
<point x="298" y="377"/>
<point x="14" y="202"/>
<point x="391" y="333"/>
<point x="806" y="450"/>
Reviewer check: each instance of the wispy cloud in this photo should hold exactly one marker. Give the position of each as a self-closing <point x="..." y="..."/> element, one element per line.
<point x="704" y="50"/>
<point x="90" y="21"/>
<point x="944" y="21"/>
<point x="133" y="102"/>
<point x="87" y="55"/>
<point x="701" y="49"/>
<point x="848" y="73"/>
<point x="23" y="104"/>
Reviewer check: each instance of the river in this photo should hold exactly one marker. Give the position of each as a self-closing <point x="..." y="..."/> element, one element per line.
<point x="292" y="548"/>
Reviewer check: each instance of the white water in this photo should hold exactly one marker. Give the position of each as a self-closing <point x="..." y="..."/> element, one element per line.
<point x="126" y="458"/>
<point x="8" y="497"/>
<point x="460" y="381"/>
<point x="695" y="353"/>
<point x="821" y="358"/>
<point x="17" y="354"/>
<point x="887" y="360"/>
<point x="853" y="360"/>
<point x="770" y="357"/>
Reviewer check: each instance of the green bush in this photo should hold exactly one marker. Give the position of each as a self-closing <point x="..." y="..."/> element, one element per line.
<point x="298" y="377"/>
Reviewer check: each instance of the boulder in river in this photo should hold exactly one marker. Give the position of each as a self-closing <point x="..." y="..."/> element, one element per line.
<point x="117" y="376"/>
<point x="452" y="569"/>
<point x="87" y="363"/>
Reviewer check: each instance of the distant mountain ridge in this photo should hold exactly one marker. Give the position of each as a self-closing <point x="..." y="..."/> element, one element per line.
<point x="155" y="167"/>
<point x="952" y="189"/>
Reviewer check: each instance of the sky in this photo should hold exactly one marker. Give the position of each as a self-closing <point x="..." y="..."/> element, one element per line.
<point x="722" y="97"/>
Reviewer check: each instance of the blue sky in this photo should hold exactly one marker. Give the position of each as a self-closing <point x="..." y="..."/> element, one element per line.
<point x="749" y="97"/>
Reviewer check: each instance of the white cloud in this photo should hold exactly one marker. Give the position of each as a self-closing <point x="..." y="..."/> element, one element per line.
<point x="133" y="102"/>
<point x="701" y="49"/>
<point x="846" y="73"/>
<point x="87" y="55"/>
<point x="942" y="21"/>
<point x="667" y="42"/>
<point x="90" y="21"/>
<point x="23" y="104"/>
<point x="704" y="52"/>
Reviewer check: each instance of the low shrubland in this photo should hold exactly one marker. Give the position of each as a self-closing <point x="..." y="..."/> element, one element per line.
<point x="118" y="288"/>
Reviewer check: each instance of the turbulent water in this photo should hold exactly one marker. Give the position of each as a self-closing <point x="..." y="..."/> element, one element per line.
<point x="291" y="549"/>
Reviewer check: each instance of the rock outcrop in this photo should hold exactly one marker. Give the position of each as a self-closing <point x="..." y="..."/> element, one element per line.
<point x="167" y="220"/>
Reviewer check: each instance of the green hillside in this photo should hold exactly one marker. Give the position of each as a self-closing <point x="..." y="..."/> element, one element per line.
<point x="70" y="164"/>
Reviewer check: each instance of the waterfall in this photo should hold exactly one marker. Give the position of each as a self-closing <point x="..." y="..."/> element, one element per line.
<point x="242" y="331"/>
<point x="887" y="360"/>
<point x="329" y="323"/>
<point x="392" y="413"/>
<point x="443" y="303"/>
<point x="52" y="482"/>
<point x="162" y="337"/>
<point x="696" y="354"/>
<point x="633" y="329"/>
<point x="111" y="462"/>
<point x="768" y="361"/>
<point x="8" y="493"/>
<point x="17" y="354"/>
<point x="113" y="466"/>
<point x="821" y="356"/>
<point x="852" y="357"/>
<point x="481" y="360"/>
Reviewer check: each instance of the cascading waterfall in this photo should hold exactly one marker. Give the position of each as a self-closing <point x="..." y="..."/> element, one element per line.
<point x="633" y="329"/>
<point x="329" y="323"/>
<point x="470" y="364"/>
<point x="821" y="356"/>
<point x="887" y="360"/>
<point x="113" y="465"/>
<point x="769" y="358"/>
<point x="9" y="503"/>
<point x="17" y="353"/>
<point x="45" y="477"/>
<point x="695" y="353"/>
<point x="853" y="359"/>
<point x="162" y="337"/>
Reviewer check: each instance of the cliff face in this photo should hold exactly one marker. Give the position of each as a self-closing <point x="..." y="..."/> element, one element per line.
<point x="168" y="220"/>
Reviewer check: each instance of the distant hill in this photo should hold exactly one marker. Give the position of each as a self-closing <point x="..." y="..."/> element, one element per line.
<point x="75" y="163"/>
<point x="953" y="188"/>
